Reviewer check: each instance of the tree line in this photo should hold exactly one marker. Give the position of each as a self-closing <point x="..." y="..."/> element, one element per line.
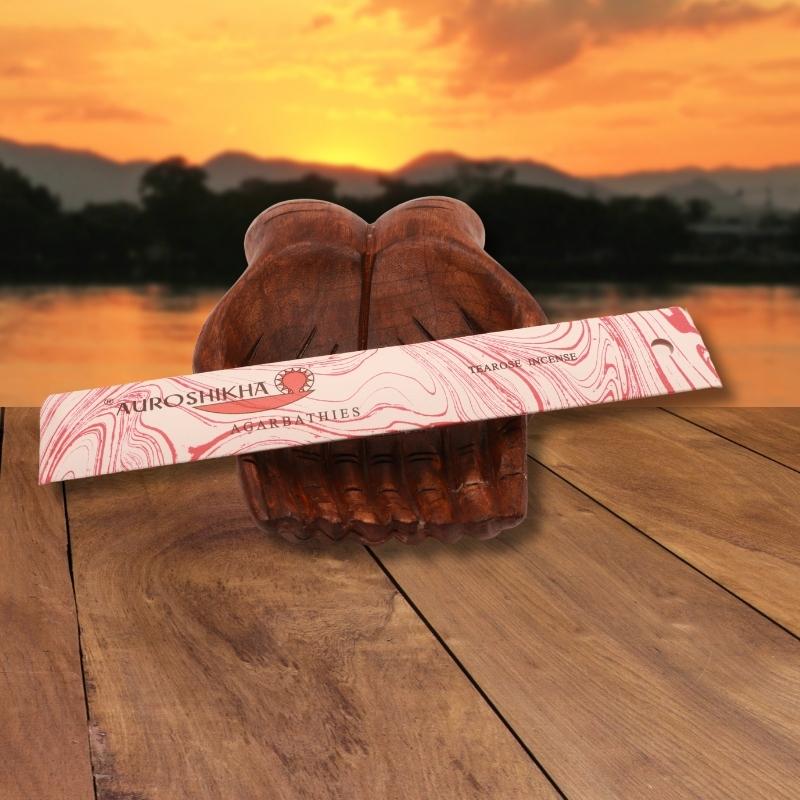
<point x="183" y="233"/>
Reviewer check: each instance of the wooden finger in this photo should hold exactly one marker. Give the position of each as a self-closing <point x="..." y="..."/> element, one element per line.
<point x="388" y="491"/>
<point x="508" y="451"/>
<point x="424" y="468"/>
<point x="470" y="478"/>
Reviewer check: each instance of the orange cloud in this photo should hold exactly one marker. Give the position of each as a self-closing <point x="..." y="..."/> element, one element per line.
<point x="53" y="52"/>
<point x="320" y="21"/>
<point x="57" y="74"/>
<point x="513" y="42"/>
<point x="99" y="111"/>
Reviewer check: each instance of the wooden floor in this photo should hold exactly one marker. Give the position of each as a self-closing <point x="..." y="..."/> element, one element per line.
<point x="636" y="638"/>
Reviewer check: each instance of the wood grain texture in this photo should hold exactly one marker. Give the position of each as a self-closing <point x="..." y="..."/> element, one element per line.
<point x="224" y="663"/>
<point x="321" y="280"/>
<point x="773" y="432"/>
<point x="731" y="513"/>
<point x="44" y="750"/>
<point x="628" y="673"/>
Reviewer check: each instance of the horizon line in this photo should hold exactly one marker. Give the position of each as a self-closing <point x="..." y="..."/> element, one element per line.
<point x="682" y="166"/>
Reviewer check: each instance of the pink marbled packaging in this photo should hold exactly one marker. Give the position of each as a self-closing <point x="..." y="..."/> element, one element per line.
<point x="383" y="390"/>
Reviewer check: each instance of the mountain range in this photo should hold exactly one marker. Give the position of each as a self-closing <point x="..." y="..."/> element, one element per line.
<point x="80" y="176"/>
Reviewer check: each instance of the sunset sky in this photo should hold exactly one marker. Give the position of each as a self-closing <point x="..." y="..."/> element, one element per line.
<point x="590" y="86"/>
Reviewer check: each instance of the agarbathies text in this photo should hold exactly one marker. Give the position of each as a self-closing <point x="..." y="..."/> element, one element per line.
<point x="311" y="418"/>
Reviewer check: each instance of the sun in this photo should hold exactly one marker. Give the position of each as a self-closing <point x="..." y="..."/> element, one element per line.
<point x="348" y="155"/>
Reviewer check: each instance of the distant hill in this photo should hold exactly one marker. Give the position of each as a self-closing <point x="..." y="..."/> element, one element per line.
<point x="228" y="170"/>
<point x="699" y="188"/>
<point x="433" y="167"/>
<point x="80" y="176"/>
<point x="76" y="176"/>
<point x="755" y="188"/>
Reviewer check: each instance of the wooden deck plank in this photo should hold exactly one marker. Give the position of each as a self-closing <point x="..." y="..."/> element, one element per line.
<point x="773" y="432"/>
<point x="733" y="514"/>
<point x="226" y="663"/>
<point x="44" y="749"/>
<point x="627" y="673"/>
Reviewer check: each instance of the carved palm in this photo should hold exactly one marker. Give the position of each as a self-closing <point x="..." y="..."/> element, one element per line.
<point x="321" y="280"/>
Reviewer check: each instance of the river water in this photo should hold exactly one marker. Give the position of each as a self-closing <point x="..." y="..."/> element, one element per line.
<point x="62" y="338"/>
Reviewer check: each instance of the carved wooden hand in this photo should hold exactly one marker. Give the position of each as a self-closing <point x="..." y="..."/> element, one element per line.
<point x="321" y="280"/>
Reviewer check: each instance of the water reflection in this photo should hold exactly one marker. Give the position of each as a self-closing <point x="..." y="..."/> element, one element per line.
<point x="58" y="339"/>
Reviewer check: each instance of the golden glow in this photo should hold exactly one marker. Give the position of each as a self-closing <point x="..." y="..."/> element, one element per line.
<point x="365" y="83"/>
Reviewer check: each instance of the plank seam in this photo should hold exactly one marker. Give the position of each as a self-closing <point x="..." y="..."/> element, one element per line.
<point x="667" y="549"/>
<point x="2" y="429"/>
<point x="732" y="441"/>
<point x="495" y="710"/>
<point x="80" y="642"/>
